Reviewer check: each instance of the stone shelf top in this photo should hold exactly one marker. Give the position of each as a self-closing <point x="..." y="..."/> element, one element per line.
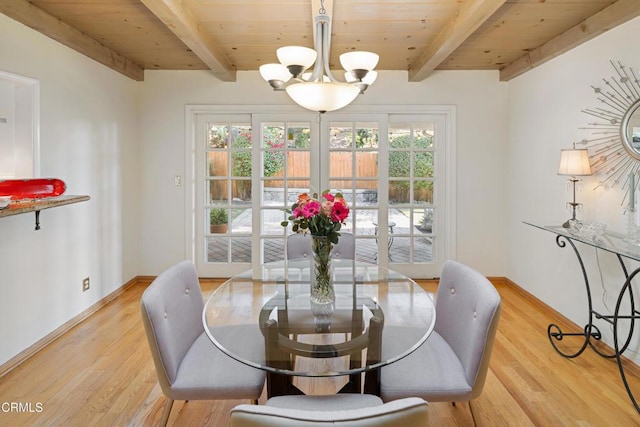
<point x="36" y="205"/>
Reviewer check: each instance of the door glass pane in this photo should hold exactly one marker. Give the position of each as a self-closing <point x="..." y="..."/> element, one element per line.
<point x="366" y="164"/>
<point x="340" y="164"/>
<point x="273" y="249"/>
<point x="298" y="135"/>
<point x="217" y="249"/>
<point x="399" y="191"/>
<point x="218" y="135"/>
<point x="423" y="249"/>
<point x="341" y="135"/>
<point x="216" y="191"/>
<point x="273" y="155"/>
<point x="241" y="249"/>
<point x="423" y="135"/>
<point x="366" y="135"/>
<point x="423" y="192"/>
<point x="298" y="165"/>
<point x="271" y="222"/>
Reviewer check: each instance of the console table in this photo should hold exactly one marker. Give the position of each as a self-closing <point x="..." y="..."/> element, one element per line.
<point x="614" y="243"/>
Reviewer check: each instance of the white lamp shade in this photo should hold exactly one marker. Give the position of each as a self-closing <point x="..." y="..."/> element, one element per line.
<point x="359" y="60"/>
<point x="275" y="72"/>
<point x="322" y="97"/>
<point x="574" y="162"/>
<point x="296" y="55"/>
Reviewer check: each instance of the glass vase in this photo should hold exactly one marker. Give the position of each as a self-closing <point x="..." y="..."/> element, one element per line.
<point x="321" y="278"/>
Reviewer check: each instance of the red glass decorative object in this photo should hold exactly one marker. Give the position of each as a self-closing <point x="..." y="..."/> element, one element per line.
<point x="32" y="188"/>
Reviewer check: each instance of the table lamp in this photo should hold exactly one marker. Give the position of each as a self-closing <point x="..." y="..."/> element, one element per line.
<point x="574" y="162"/>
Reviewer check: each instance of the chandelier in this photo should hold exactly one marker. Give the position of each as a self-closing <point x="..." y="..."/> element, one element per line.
<point x="319" y="90"/>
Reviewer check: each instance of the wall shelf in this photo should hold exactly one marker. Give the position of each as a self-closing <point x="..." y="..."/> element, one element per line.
<point x="35" y="205"/>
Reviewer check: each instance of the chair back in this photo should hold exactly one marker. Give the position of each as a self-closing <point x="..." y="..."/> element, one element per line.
<point x="467" y="313"/>
<point x="403" y="412"/>
<point x="172" y="315"/>
<point x="345" y="248"/>
<point x="299" y="246"/>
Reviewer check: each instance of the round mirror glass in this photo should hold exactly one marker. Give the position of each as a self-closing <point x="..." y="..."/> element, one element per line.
<point x="630" y="130"/>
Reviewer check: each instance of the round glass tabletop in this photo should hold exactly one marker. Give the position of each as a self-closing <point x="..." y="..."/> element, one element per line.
<point x="265" y="319"/>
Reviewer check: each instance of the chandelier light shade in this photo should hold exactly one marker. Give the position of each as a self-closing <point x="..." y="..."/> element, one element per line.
<point x="319" y="90"/>
<point x="276" y="73"/>
<point x="322" y="96"/>
<point x="358" y="62"/>
<point x="296" y="56"/>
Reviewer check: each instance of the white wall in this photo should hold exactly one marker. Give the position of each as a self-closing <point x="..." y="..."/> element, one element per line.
<point x="545" y="116"/>
<point x="88" y="138"/>
<point x="7" y="128"/>
<point x="480" y="100"/>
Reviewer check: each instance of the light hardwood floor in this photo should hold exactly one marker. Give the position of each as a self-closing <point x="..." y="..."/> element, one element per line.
<point x="100" y="373"/>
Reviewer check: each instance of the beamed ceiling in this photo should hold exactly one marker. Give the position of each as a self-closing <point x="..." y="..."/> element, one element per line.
<point x="224" y="36"/>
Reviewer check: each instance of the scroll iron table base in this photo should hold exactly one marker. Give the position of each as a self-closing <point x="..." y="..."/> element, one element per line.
<point x="554" y="332"/>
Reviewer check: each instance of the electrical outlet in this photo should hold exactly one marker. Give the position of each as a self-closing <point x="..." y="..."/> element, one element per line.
<point x="86" y="284"/>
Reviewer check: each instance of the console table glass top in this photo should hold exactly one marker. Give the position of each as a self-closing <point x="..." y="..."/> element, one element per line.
<point x="278" y="294"/>
<point x="609" y="241"/>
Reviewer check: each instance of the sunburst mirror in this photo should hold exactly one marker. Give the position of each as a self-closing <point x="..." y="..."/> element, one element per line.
<point x="614" y="141"/>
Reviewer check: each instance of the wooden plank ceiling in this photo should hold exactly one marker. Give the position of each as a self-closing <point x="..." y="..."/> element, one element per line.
<point x="420" y="36"/>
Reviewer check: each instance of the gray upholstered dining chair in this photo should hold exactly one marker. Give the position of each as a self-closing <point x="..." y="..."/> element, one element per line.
<point x="299" y="246"/>
<point x="452" y="364"/>
<point x="188" y="365"/>
<point x="352" y="410"/>
<point x="345" y="248"/>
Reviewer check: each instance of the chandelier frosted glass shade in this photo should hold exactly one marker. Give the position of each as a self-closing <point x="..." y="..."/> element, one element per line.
<point x="322" y="97"/>
<point x="296" y="55"/>
<point x="275" y="72"/>
<point x="359" y="60"/>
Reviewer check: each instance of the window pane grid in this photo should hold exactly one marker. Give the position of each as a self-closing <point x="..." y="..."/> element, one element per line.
<point x="411" y="195"/>
<point x="228" y="191"/>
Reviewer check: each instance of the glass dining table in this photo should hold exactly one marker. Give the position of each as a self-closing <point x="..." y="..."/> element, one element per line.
<point x="378" y="317"/>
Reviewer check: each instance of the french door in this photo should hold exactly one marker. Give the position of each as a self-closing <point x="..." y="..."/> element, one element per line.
<point x="394" y="170"/>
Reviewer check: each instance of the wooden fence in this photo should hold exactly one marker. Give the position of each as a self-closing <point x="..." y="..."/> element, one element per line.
<point x="297" y="166"/>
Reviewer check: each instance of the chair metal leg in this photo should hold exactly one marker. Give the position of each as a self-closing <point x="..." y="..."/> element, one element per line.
<point x="473" y="417"/>
<point x="166" y="412"/>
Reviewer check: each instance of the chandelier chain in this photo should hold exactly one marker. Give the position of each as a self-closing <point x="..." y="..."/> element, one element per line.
<point x="322" y="10"/>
